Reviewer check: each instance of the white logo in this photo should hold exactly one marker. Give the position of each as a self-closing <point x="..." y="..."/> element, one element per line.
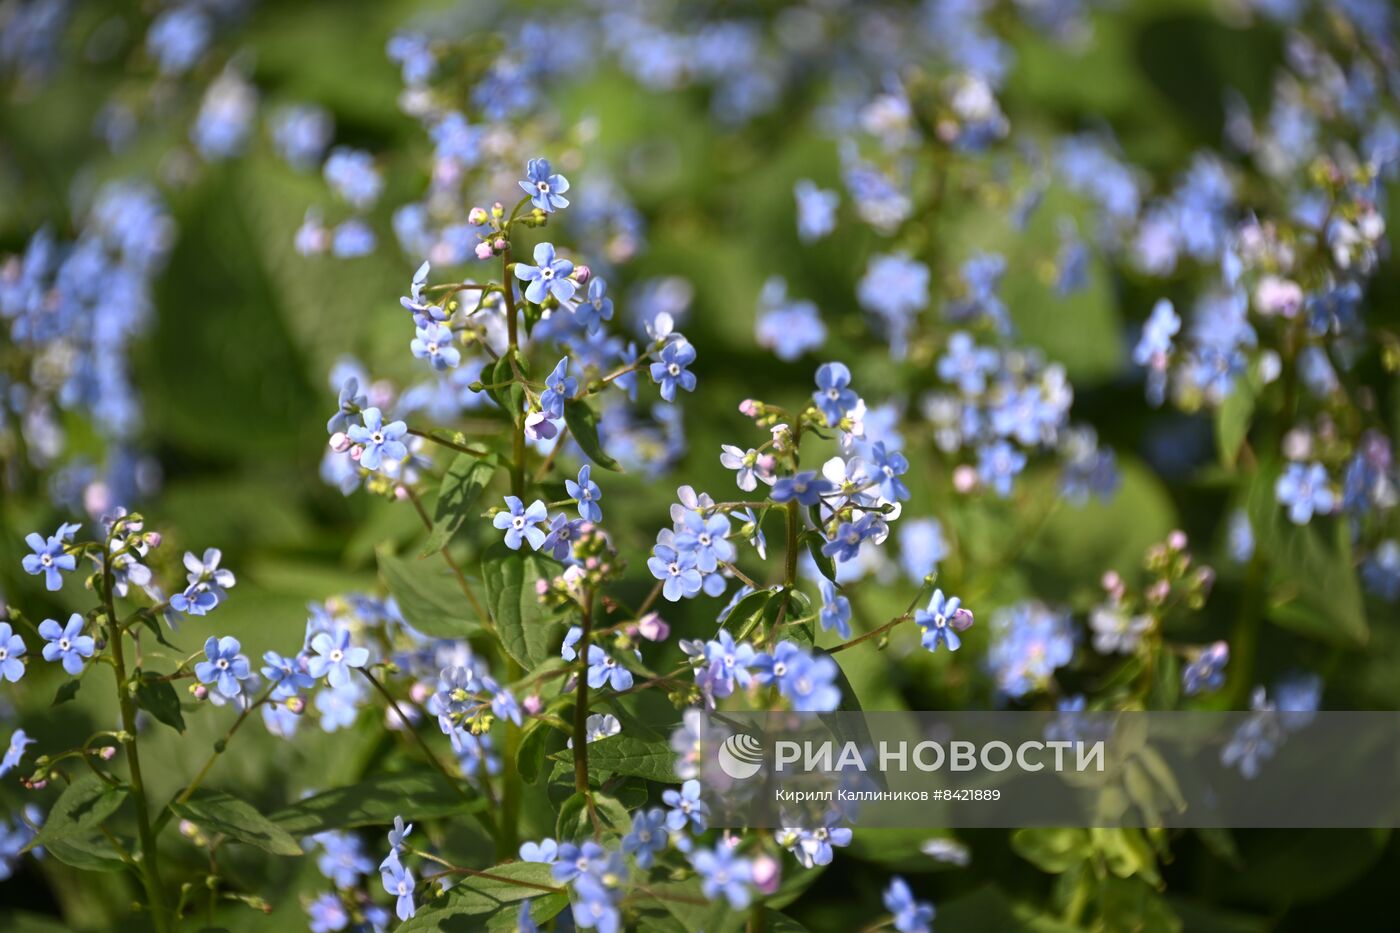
<point x="740" y="756"/>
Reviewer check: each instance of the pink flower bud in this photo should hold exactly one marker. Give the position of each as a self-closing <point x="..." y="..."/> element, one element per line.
<point x="1158" y="592"/>
<point x="541" y="587"/>
<point x="1177" y="540"/>
<point x="1112" y="583"/>
<point x="420" y="692"/>
<point x="477" y="216"/>
<point x="767" y="873"/>
<point x="108" y="752"/>
<point x="401" y="493"/>
<point x="653" y="628"/>
<point x="484" y="251"/>
<point x="295" y="705"/>
<point x="340" y="442"/>
<point x="500" y="244"/>
<point x="962" y="620"/>
<point x="355" y="453"/>
<point x="200" y="692"/>
<point x="748" y="408"/>
<point x="582" y="274"/>
<point x="532" y="704"/>
<point x="964" y="479"/>
<point x="153" y="539"/>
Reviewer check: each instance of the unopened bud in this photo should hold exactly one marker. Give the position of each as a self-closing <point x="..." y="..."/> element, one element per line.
<point x="340" y="442"/>
<point x="484" y="251"/>
<point x="199" y="691"/>
<point x="964" y="479"/>
<point x="582" y="274"/>
<point x="477" y="216"/>
<point x="767" y="873"/>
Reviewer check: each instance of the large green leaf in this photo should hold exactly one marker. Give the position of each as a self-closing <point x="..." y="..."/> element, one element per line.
<point x="375" y="801"/>
<point x="576" y="819"/>
<point x="86" y="853"/>
<point x="584" y="425"/>
<point x="482" y="902"/>
<point x="1312" y="583"/>
<point x="79" y="810"/>
<point x="237" y="819"/>
<point x="626" y="754"/>
<point x="428" y="597"/>
<point x="527" y="634"/>
<point x="461" y="487"/>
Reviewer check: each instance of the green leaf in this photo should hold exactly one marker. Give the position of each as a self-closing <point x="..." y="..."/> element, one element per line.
<point x="511" y="397"/>
<point x="375" y="801"/>
<point x="461" y="487"/>
<point x="223" y="813"/>
<point x="1052" y="850"/>
<point x="86" y="853"/>
<point x="478" y="902"/>
<point x="575" y="821"/>
<point x="67" y="691"/>
<point x="510" y="576"/>
<point x="584" y="425"/>
<point x="158" y="697"/>
<point x="1312" y="582"/>
<point x="79" y="810"/>
<point x="814" y="541"/>
<point x="748" y="609"/>
<point x="632" y="756"/>
<point x="429" y="599"/>
<point x="683" y="906"/>
<point x="1232" y="421"/>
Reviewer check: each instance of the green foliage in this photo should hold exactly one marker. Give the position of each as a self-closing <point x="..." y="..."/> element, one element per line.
<point x="526" y="633"/>
<point x="218" y="812"/>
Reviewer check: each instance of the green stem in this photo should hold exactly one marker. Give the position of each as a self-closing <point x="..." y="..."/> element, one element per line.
<point x="150" y="855"/>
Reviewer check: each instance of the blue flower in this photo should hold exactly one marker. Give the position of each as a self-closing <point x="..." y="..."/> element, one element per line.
<point x="1303" y="488"/>
<point x="567" y="650"/>
<point x="1155" y="344"/>
<point x="398" y="881"/>
<point x="434" y="344"/>
<point x="546" y="190"/>
<point x="48" y="558"/>
<point x="910" y="916"/>
<point x="833" y="397"/>
<point x="805" y="487"/>
<point x="335" y="656"/>
<point x="648" y="836"/>
<point x="835" y="611"/>
<point x="342" y="858"/>
<point x="289" y="675"/>
<point x="562" y="534"/>
<point x="670" y="371"/>
<point x="575" y="860"/>
<point x="722" y="872"/>
<point x="936" y="621"/>
<point x="604" y="669"/>
<point x="967" y="364"/>
<point x="729" y="664"/>
<point x="677" y="570"/>
<point x="808" y="682"/>
<point x="327" y="914"/>
<point x="351" y="402"/>
<point x="815" y="846"/>
<point x="351" y="173"/>
<point x="549" y="276"/>
<point x="687" y="809"/>
<point x="520" y="521"/>
<point x="545" y="851"/>
<point x="11" y="650"/>
<point x="67" y="643"/>
<point x="380" y="441"/>
<point x="921" y="547"/>
<point x="197" y="599"/>
<point x="1207" y="671"/>
<point x="224" y="666"/>
<point x="845" y="545"/>
<point x="816" y="210"/>
<point x="998" y="464"/>
<point x="706" y="538"/>
<point x="18" y="743"/>
<point x="587" y="493"/>
<point x="597" y="307"/>
<point x="559" y="387"/>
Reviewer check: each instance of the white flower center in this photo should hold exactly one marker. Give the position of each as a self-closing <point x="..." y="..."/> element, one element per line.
<point x="64" y="644"/>
<point x="542" y="187"/>
<point x="674" y="369"/>
<point x="337" y="655"/>
<point x="377" y="437"/>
